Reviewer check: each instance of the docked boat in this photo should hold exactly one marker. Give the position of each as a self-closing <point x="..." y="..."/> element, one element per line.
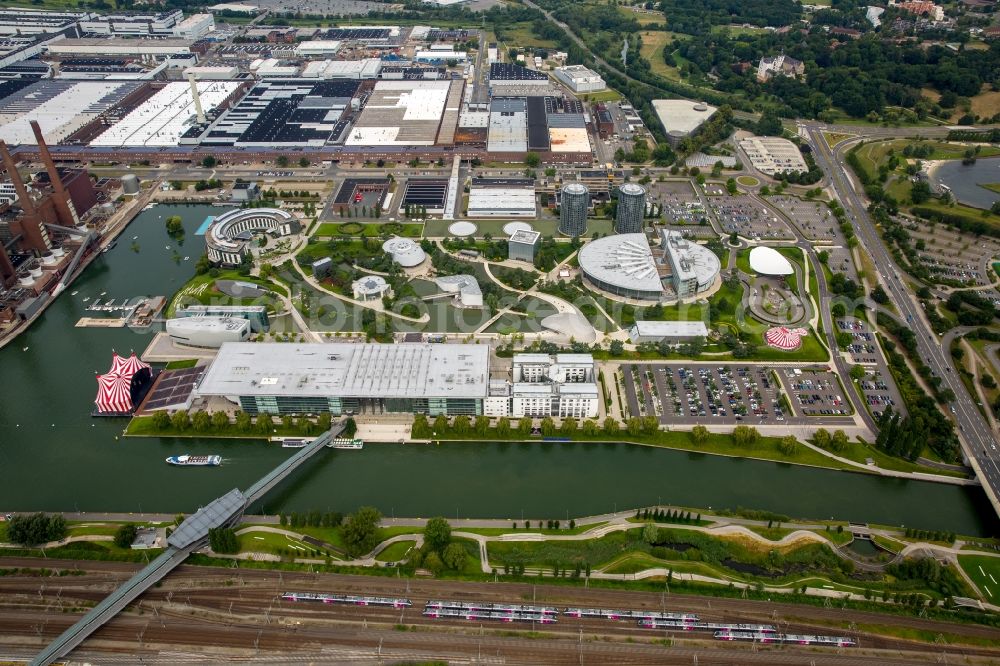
<point x="293" y="443"/>
<point x="346" y="444"/>
<point x="195" y="461"/>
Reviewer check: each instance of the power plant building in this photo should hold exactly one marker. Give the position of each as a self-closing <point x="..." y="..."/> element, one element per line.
<point x="573" y="206"/>
<point x="631" y="209"/>
<point x="345" y="378"/>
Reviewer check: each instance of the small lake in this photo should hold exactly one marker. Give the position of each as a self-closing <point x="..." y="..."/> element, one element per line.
<point x="965" y="180"/>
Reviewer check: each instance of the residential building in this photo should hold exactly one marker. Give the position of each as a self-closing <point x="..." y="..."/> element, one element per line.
<point x="780" y="65"/>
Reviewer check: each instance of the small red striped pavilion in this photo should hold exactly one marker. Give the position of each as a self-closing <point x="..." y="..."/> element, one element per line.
<point x="119" y="387"/>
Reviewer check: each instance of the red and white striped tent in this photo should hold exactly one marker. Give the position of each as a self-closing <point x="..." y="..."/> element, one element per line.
<point x="114" y="388"/>
<point x="785" y="339"/>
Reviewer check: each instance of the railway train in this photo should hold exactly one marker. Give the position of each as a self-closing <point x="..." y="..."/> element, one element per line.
<point x="799" y="639"/>
<point x="612" y="614"/>
<point x="346" y="599"/>
<point x="498" y="616"/>
<point x="497" y="608"/>
<point x="705" y="626"/>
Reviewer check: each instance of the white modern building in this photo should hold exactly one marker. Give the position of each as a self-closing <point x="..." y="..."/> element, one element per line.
<point x="210" y="332"/>
<point x="228" y="237"/>
<point x="502" y="198"/>
<point x="672" y="332"/>
<point x="768" y="261"/>
<point x="317" y="48"/>
<point x="562" y="386"/>
<point x="195" y="26"/>
<point x="404" y="251"/>
<point x="370" y="288"/>
<point x="349" y="378"/>
<point x="133" y="24"/>
<point x="464" y="287"/>
<point x="580" y="79"/>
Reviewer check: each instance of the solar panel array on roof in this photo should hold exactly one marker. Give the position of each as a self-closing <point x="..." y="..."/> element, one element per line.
<point x="11" y="86"/>
<point x="173" y="388"/>
<point x="357" y="33"/>
<point x="567" y="120"/>
<point x="505" y="71"/>
<point x="538" y="131"/>
<point x="430" y="193"/>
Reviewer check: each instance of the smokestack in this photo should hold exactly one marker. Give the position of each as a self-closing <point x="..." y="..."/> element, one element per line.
<point x="64" y="205"/>
<point x="31" y="225"/>
<point x="197" y="100"/>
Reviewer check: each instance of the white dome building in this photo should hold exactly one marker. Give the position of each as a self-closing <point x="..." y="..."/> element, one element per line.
<point x="404" y="251"/>
<point x="768" y="261"/>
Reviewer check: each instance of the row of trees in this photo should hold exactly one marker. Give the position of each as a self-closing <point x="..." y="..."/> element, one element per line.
<point x="36" y="528"/>
<point x="223" y="540"/>
<point x="202" y="421"/>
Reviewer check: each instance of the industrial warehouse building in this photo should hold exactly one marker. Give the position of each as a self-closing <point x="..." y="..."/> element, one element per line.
<point x="671" y="332"/>
<point x="579" y="79"/>
<point x="345" y="378"/>
<point x="502" y="197"/>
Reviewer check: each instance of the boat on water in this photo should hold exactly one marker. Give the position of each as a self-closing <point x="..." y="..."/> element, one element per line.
<point x="346" y="444"/>
<point x="292" y="443"/>
<point x="195" y="461"/>
<point x="109" y="248"/>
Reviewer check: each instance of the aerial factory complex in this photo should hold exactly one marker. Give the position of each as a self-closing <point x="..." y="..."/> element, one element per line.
<point x="412" y="308"/>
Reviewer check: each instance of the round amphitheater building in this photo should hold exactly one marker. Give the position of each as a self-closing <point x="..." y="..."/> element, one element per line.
<point x="228" y="237"/>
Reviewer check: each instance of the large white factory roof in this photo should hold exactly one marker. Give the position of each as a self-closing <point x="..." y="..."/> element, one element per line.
<point x="401" y="113"/>
<point x="368" y="68"/>
<point x="768" y="261"/>
<point x="164" y="117"/>
<point x="622" y="260"/>
<point x="318" y="47"/>
<point x="492" y="201"/>
<point x="403" y="370"/>
<point x="60" y="107"/>
<point x="569" y="140"/>
<point x="680" y="117"/>
<point x="669" y="329"/>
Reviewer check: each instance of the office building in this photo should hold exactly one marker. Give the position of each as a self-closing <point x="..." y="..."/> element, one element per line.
<point x="580" y="79"/>
<point x="671" y="332"/>
<point x="573" y="206"/>
<point x="523" y="244"/>
<point x="631" y="209"/>
<point x="255" y="314"/>
<point x="345" y="378"/>
<point x="210" y="332"/>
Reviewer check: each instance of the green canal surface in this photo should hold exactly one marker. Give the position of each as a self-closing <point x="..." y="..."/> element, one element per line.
<point x="55" y="456"/>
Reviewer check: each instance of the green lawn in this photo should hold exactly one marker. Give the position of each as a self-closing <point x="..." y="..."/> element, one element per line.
<point x="992" y="187"/>
<point x="180" y="365"/>
<point x="201" y="289"/>
<point x="985" y="573"/>
<point x="395" y="551"/>
<point x="369" y="229"/>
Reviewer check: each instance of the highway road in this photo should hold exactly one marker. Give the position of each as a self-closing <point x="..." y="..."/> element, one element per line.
<point x="977" y="438"/>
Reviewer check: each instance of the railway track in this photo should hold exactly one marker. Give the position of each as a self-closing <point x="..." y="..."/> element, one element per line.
<point x="232" y="609"/>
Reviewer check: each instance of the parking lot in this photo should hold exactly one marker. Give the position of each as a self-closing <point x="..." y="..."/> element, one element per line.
<point x="815" y="392"/>
<point x="678" y="393"/>
<point x="877" y="386"/>
<point x="813" y="218"/>
<point x="955" y="255"/>
<point x="749" y="219"/>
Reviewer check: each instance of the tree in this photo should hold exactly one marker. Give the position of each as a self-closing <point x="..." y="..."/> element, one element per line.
<point x="610" y="426"/>
<point x="503" y="426"/>
<point x="360" y="530"/>
<point x="223" y="540"/>
<point x="36" y="528"/>
<point x="243" y="422"/>
<point x="787" y="445"/>
<point x="282" y="161"/>
<point x="568" y="426"/>
<point x="220" y="420"/>
<point x="634" y="426"/>
<point x="839" y="440"/>
<point x="432" y="562"/>
<point x="745" y="436"/>
<point x="265" y="423"/>
<point x="699" y="434"/>
<point x="454" y="556"/>
<point x="462" y="424"/>
<point x="180" y="420"/>
<point x="838" y="310"/>
<point x="821" y="438"/>
<point x="303" y="162"/>
<point x="161" y="420"/>
<point x="532" y="159"/>
<point x="857" y="372"/>
<point x="731" y="186"/>
<point x="209" y="162"/>
<point x="879" y="296"/>
<point x="617" y="348"/>
<point x="440" y="423"/>
<point x="437" y="533"/>
<point x="482" y="424"/>
<point x="125" y="535"/>
<point x="201" y="421"/>
<point x="650" y="534"/>
<point x="548" y="426"/>
<point x="524" y="426"/>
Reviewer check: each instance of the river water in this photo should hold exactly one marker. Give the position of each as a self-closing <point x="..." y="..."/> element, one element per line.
<point x="54" y="456"/>
<point x="965" y="180"/>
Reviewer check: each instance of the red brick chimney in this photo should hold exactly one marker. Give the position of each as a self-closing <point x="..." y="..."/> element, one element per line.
<point x="31" y="224"/>
<point x="64" y="205"/>
<point x="7" y="272"/>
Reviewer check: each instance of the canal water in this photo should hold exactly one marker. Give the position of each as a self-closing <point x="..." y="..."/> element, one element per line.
<point x="965" y="180"/>
<point x="54" y="456"/>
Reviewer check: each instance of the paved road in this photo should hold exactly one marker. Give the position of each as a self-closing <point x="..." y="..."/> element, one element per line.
<point x="974" y="433"/>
